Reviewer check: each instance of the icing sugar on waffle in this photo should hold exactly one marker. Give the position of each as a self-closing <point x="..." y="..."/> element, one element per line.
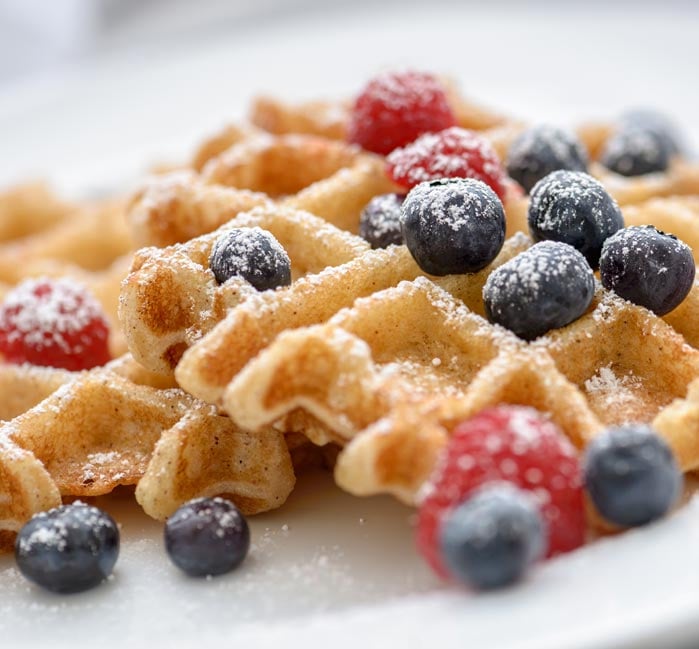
<point x="362" y="350"/>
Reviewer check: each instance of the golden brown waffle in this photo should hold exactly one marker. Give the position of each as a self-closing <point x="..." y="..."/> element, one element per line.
<point x="392" y="374"/>
<point x="29" y="208"/>
<point x="178" y="206"/>
<point x="171" y="298"/>
<point x="412" y="319"/>
<point x="90" y="237"/>
<point x="682" y="178"/>
<point x="361" y="351"/>
<point x="109" y="427"/>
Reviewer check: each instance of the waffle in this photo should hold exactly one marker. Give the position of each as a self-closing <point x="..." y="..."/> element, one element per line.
<point x="413" y="358"/>
<point x="330" y="355"/>
<point x="363" y="363"/>
<point x="121" y="425"/>
<point x="170" y="299"/>
<point x="29" y="208"/>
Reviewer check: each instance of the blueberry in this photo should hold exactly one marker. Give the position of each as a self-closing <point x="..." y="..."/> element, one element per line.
<point x="450" y="226"/>
<point x="545" y="287"/>
<point x="656" y="122"/>
<point x="68" y="549"/>
<point x="207" y="536"/>
<point x="253" y="254"/>
<point x="573" y="207"/>
<point x="647" y="267"/>
<point x="631" y="475"/>
<point x="543" y="149"/>
<point x="491" y="539"/>
<point x="379" y="222"/>
<point x="635" y="151"/>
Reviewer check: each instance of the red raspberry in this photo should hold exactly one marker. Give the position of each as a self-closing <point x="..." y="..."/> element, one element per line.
<point x="453" y="153"/>
<point x="394" y="109"/>
<point x="513" y="444"/>
<point x="53" y="322"/>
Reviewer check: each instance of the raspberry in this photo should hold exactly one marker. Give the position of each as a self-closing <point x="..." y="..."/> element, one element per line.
<point x="516" y="445"/>
<point x="452" y="153"/>
<point x="54" y="323"/>
<point x="394" y="109"/>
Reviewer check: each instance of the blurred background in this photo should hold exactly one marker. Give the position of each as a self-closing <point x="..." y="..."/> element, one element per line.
<point x="93" y="91"/>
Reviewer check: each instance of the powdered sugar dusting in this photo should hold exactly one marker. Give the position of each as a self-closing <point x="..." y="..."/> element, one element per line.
<point x="46" y="312"/>
<point x="52" y="529"/>
<point x="379" y="222"/>
<point x="564" y="199"/>
<point x="561" y="143"/>
<point x="454" y="203"/>
<point x="548" y="285"/>
<point x="452" y="153"/>
<point x="613" y="389"/>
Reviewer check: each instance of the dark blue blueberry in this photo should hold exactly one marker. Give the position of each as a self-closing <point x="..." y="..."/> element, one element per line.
<point x="491" y="539"/>
<point x="656" y="122"/>
<point x="207" y="536"/>
<point x="546" y="287"/>
<point x="453" y="226"/>
<point x="631" y="475"/>
<point x="573" y="207"/>
<point x="635" y="151"/>
<point x="543" y="149"/>
<point x="379" y="222"/>
<point x="253" y="254"/>
<point x="647" y="267"/>
<point x="68" y="549"/>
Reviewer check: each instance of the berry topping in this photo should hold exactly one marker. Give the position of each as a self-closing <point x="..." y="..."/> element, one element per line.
<point x="635" y="151"/>
<point x="252" y="254"/>
<point x="512" y="444"/>
<point x="573" y="207"/>
<point x="53" y="322"/>
<point x="543" y="149"/>
<point x="491" y="539"/>
<point x="395" y="108"/>
<point x="207" y="536"/>
<point x="68" y="549"/>
<point x="546" y="287"/>
<point x="454" y="153"/>
<point x="631" y="475"/>
<point x="661" y="125"/>
<point x="453" y="226"/>
<point x="647" y="267"/>
<point x="379" y="222"/>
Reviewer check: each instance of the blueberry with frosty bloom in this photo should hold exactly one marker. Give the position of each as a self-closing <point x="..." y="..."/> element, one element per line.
<point x="379" y="222"/>
<point x="207" y="536"/>
<point x="540" y="150"/>
<point x="453" y="226"/>
<point x="254" y="255"/>
<point x="68" y="549"/>
<point x="546" y="287"/>
<point x="574" y="208"/>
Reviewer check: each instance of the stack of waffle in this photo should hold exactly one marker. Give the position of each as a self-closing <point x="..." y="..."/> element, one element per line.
<point x="363" y="362"/>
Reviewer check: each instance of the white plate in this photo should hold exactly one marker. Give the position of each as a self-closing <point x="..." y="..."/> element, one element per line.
<point x="329" y="569"/>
